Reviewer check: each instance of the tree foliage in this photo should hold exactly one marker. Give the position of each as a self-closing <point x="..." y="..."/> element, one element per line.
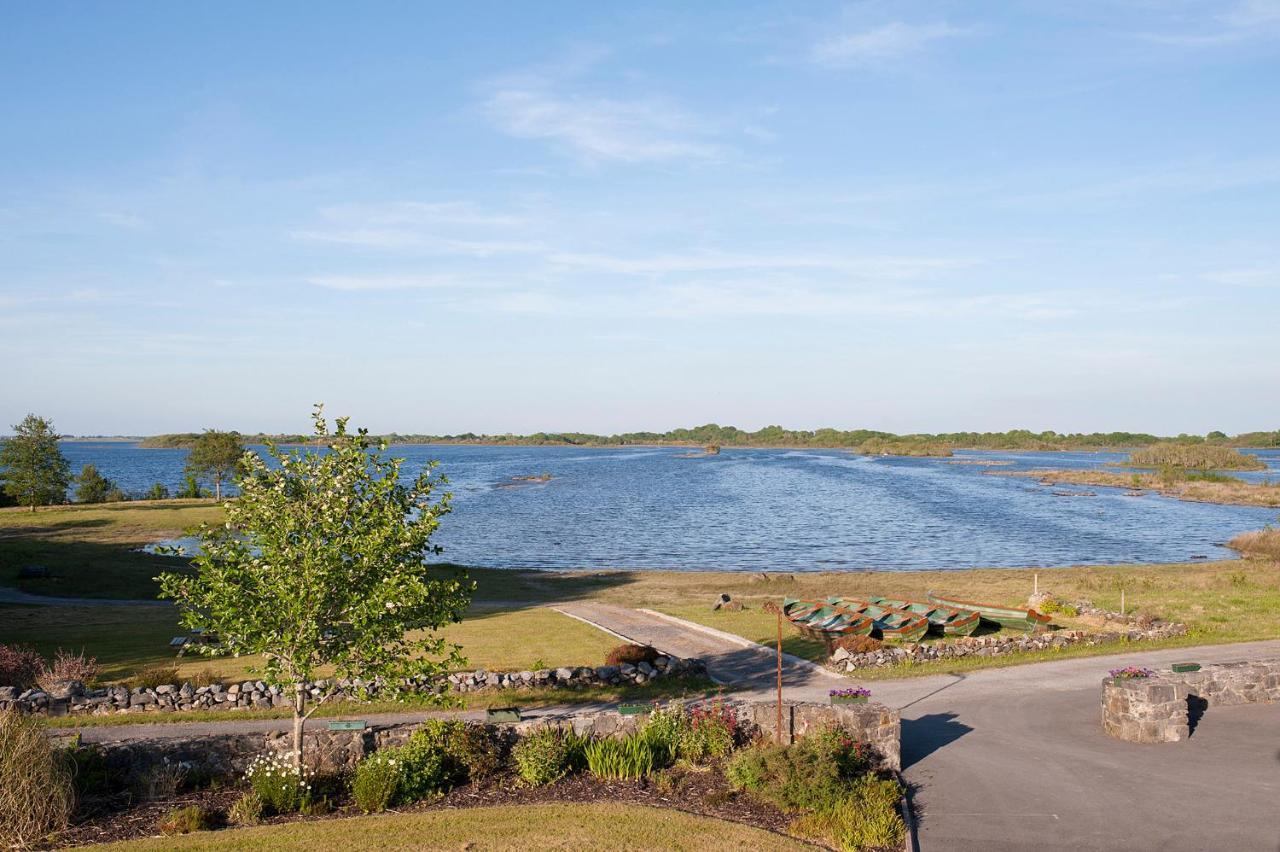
<point x="92" y="486"/>
<point x="215" y="456"/>
<point x="321" y="563"/>
<point x="35" y="471"/>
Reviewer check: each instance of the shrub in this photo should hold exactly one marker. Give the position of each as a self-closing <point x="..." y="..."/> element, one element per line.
<point x="477" y="750"/>
<point x="865" y="817"/>
<point x="547" y="755"/>
<point x="632" y="654"/>
<point x="36" y="795"/>
<point x="20" y="666"/>
<point x="713" y="732"/>
<point x="858" y="644"/>
<point x="157" y="492"/>
<point x="154" y="676"/>
<point x="668" y="728"/>
<point x="806" y="775"/>
<point x="1054" y="607"/>
<point x="283" y="787"/>
<point x="375" y="783"/>
<point x="631" y="758"/>
<point x="158" y="781"/>
<point x="186" y="820"/>
<point x="247" y="810"/>
<point x="87" y="765"/>
<point x="428" y="765"/>
<point x="1194" y="457"/>
<point x="92" y="486"/>
<point x="205" y="677"/>
<point x="68" y="666"/>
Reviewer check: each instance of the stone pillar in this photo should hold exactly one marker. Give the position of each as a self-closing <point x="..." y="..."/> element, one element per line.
<point x="1145" y="709"/>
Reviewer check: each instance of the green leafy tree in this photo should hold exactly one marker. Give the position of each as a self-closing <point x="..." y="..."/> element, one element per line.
<point x="190" y="487"/>
<point x="92" y="486"/>
<point x="215" y="456"/>
<point x="36" y="472"/>
<point x="322" y="563"/>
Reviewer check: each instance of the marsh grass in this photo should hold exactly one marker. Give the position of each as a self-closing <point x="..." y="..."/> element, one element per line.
<point x="1193" y="487"/>
<point x="1194" y="457"/>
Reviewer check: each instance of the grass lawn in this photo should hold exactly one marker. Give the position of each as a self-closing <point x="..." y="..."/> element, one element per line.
<point x="560" y="826"/>
<point x="92" y="551"/>
<point x="126" y="639"/>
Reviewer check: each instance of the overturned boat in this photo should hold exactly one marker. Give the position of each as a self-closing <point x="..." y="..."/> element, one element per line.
<point x="824" y="620"/>
<point x="1016" y="618"/>
<point x="891" y="623"/>
<point x="946" y="620"/>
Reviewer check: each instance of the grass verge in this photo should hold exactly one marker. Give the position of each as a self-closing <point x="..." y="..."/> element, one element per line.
<point x="602" y="826"/>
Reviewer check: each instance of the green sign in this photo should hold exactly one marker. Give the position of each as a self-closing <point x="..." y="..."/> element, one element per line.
<point x="355" y="725"/>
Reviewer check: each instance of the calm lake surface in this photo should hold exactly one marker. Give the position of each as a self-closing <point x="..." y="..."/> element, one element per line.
<point x="792" y="510"/>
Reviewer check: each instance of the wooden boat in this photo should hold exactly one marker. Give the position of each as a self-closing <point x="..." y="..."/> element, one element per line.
<point x="1005" y="616"/>
<point x="892" y="623"/>
<point x="946" y="620"/>
<point x="825" y="621"/>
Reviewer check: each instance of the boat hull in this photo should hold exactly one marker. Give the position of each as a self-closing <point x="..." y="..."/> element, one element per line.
<point x="1017" y="619"/>
<point x="891" y="623"/>
<point x="825" y="621"/>
<point x="946" y="620"/>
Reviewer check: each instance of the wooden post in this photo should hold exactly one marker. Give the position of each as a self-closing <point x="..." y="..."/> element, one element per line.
<point x="1122" y="600"/>
<point x="772" y="607"/>
<point x="1035" y="584"/>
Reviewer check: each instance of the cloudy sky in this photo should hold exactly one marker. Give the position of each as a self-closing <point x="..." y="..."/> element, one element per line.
<point x="596" y="216"/>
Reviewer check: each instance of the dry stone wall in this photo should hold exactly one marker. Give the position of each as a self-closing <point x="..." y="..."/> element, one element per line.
<point x="72" y="698"/>
<point x="1159" y="709"/>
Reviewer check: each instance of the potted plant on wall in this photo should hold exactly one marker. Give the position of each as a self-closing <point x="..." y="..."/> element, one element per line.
<point x="1130" y="673"/>
<point x="850" y="695"/>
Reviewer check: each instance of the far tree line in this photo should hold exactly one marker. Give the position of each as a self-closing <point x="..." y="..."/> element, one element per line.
<point x="34" y="472"/>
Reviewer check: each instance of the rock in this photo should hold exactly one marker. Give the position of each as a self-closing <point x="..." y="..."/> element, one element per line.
<point x="564" y="674"/>
<point x="840" y="654"/>
<point x="66" y="689"/>
<point x="9" y="693"/>
<point x="607" y="672"/>
<point x="721" y="600"/>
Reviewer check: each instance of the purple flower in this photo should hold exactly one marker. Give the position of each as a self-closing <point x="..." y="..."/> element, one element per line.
<point x="851" y="692"/>
<point x="1131" y="671"/>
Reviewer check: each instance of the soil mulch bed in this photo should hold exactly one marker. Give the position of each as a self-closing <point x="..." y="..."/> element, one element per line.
<point x="697" y="790"/>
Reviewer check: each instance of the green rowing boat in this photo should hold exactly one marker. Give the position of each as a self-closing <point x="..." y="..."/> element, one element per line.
<point x="946" y="620"/>
<point x="825" y="621"/>
<point x="892" y="623"/>
<point x="1005" y="616"/>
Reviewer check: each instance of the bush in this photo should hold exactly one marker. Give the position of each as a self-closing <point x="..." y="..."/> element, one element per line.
<point x="158" y="781"/>
<point x="92" y="486"/>
<point x="547" y="755"/>
<point x="157" y="492"/>
<point x="627" y="759"/>
<point x="476" y="749"/>
<point x="204" y="677"/>
<point x="375" y="783"/>
<point x="68" y="666"/>
<point x="858" y="644"/>
<point x="247" y="810"/>
<point x="668" y="728"/>
<point x="427" y="763"/>
<point x="865" y="817"/>
<point x="632" y="654"/>
<point x="283" y="788"/>
<point x="810" y="774"/>
<point x="36" y="795"/>
<point x="87" y="765"/>
<point x="20" y="666"/>
<point x="186" y="820"/>
<point x="713" y="732"/>
<point x="154" y="676"/>
<point x="1054" y="607"/>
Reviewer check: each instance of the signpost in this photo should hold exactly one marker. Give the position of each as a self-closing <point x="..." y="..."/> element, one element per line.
<point x="772" y="607"/>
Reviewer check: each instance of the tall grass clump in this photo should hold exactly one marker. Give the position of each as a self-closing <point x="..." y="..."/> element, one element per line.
<point x="36" y="794"/>
<point x="1262" y="544"/>
<point x="628" y="759"/>
<point x="67" y="666"/>
<point x="1194" y="457"/>
<point x="547" y="755"/>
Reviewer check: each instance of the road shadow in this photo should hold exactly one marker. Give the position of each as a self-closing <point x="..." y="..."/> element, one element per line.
<point x="1195" y="711"/>
<point x="922" y="737"/>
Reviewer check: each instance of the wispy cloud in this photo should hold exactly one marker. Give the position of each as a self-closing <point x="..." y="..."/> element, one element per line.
<point x="723" y="261"/>
<point x="1252" y="277"/>
<point x="880" y="44"/>
<point x="1242" y="20"/>
<point x="453" y="227"/>
<point x="370" y="283"/>
<point x="639" y="130"/>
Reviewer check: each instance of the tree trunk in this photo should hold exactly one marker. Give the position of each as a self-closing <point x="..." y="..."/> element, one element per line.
<point x="299" y="719"/>
<point x="217" y="488"/>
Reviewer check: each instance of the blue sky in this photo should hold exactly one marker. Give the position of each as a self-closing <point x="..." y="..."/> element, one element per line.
<point x="595" y="216"/>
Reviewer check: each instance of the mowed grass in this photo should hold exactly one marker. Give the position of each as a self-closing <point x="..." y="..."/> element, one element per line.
<point x="1230" y="601"/>
<point x="93" y="551"/>
<point x="596" y="826"/>
<point x="127" y="639"/>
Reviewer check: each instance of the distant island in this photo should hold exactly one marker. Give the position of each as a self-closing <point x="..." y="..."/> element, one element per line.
<point x="866" y="441"/>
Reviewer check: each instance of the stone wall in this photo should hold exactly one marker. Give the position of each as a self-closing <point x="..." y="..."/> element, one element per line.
<point x="75" y="699"/>
<point x="997" y="645"/>
<point x="227" y="755"/>
<point x="1159" y="709"/>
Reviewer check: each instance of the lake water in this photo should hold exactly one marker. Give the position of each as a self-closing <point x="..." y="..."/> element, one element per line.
<point x="757" y="510"/>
